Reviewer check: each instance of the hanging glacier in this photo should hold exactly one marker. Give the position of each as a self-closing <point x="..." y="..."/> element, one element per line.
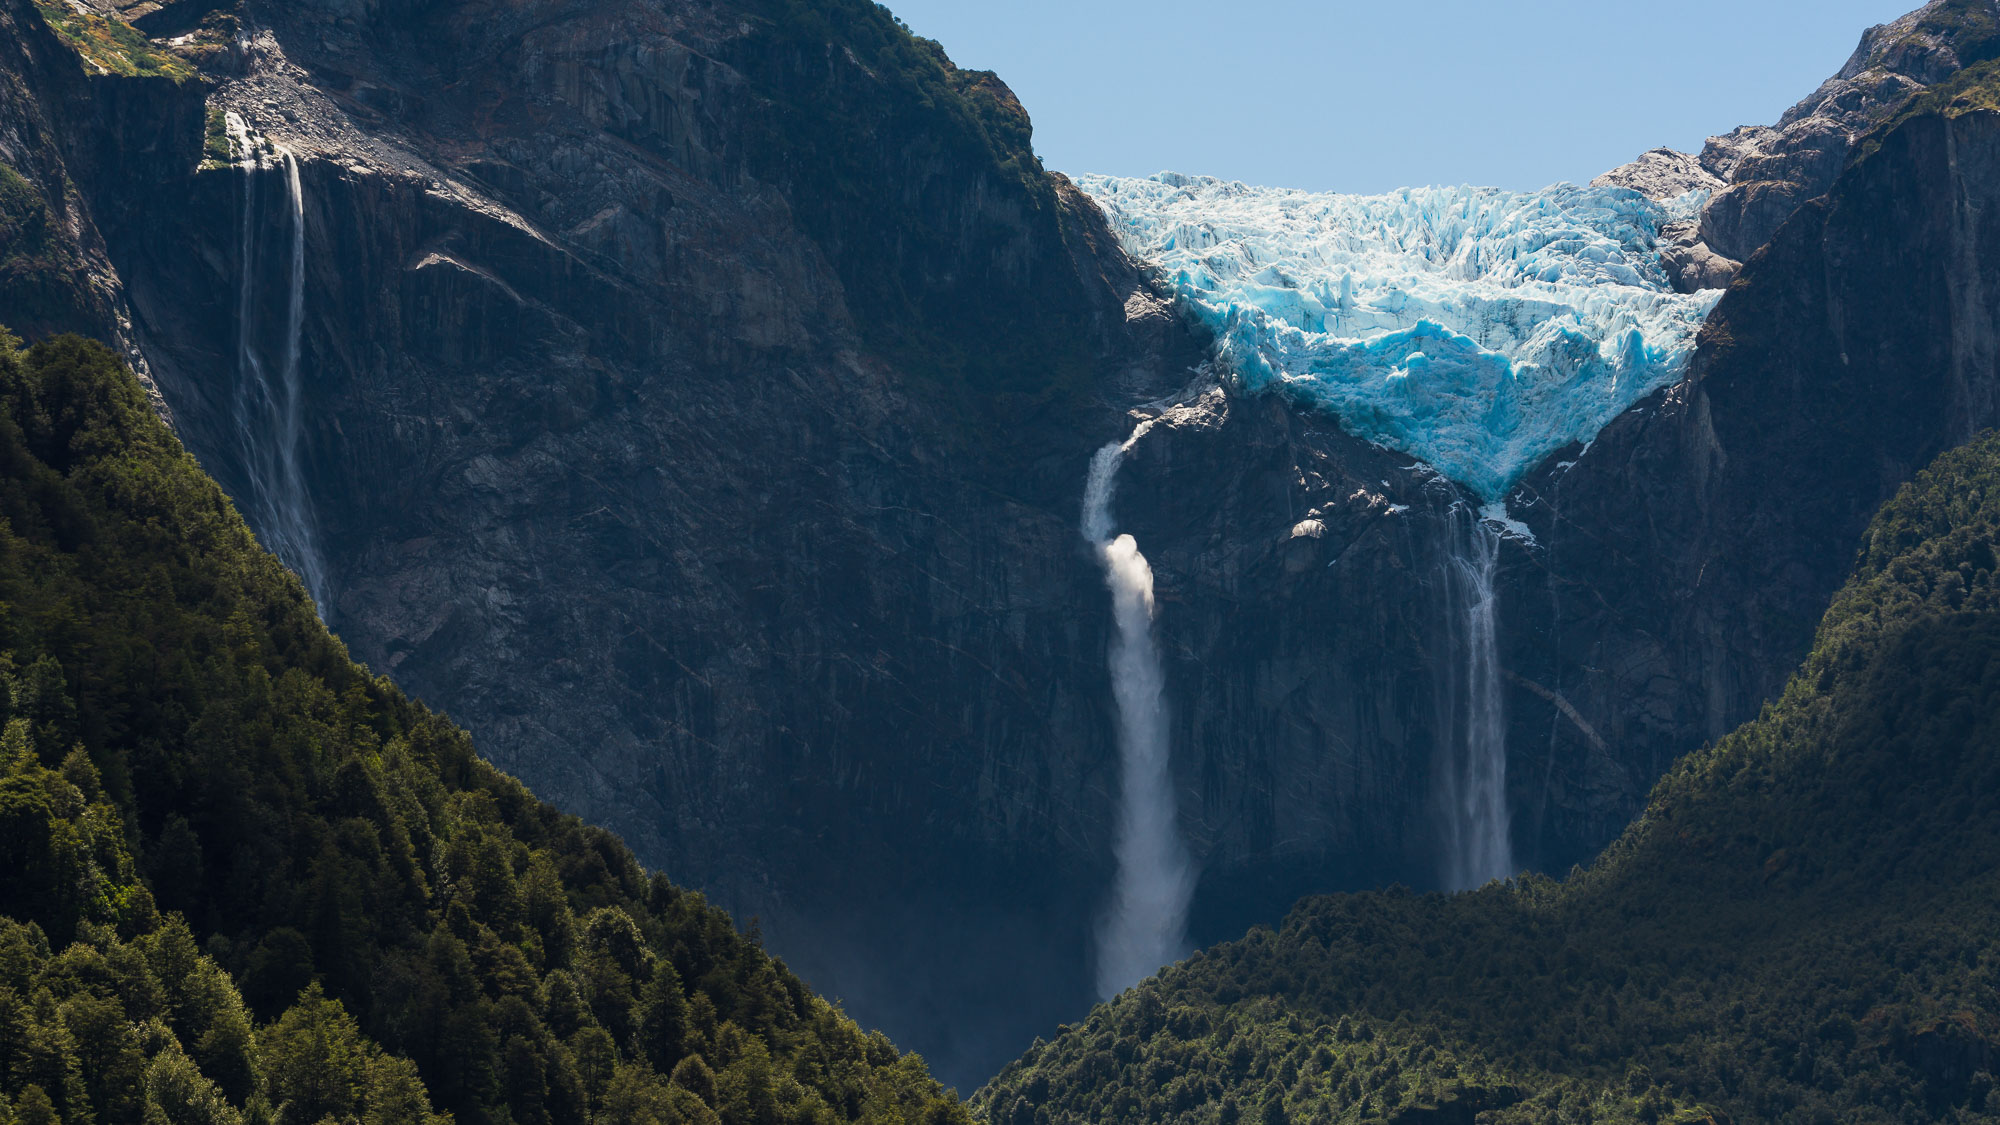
<point x="1477" y="329"/>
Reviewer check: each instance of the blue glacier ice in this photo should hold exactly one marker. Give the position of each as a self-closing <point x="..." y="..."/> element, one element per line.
<point x="1477" y="329"/>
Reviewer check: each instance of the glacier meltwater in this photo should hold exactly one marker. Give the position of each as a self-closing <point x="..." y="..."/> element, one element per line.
<point x="1477" y="329"/>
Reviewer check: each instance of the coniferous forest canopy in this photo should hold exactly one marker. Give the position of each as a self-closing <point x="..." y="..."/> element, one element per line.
<point x="246" y="881"/>
<point x="754" y="333"/>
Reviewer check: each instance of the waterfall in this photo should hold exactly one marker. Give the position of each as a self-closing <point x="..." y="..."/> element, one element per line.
<point x="1146" y="924"/>
<point x="270" y="411"/>
<point x="1471" y="719"/>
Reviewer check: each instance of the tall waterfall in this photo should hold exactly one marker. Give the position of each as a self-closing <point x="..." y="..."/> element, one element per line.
<point x="1146" y="925"/>
<point x="270" y="407"/>
<point x="1471" y="717"/>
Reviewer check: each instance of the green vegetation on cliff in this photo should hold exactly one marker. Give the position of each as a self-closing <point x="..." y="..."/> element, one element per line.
<point x="1976" y="89"/>
<point x="242" y="880"/>
<point x="1804" y="925"/>
<point x="110" y="46"/>
<point x="41" y="279"/>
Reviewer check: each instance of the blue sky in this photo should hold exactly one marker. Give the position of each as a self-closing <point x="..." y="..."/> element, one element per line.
<point x="1368" y="95"/>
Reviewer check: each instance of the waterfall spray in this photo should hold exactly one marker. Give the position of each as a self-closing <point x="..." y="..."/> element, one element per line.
<point x="270" y="412"/>
<point x="1471" y="719"/>
<point x="1145" y="927"/>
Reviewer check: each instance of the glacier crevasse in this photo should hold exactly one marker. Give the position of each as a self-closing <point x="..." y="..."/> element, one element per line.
<point x="1477" y="329"/>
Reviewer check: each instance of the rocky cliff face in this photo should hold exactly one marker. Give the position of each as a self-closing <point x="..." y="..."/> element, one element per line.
<point x="1760" y="174"/>
<point x="1689" y="549"/>
<point x="1663" y="582"/>
<point x="87" y="124"/>
<point x="695" y="401"/>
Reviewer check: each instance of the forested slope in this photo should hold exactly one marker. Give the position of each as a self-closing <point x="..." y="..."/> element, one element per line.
<point x="245" y="881"/>
<point x="1804" y="925"/>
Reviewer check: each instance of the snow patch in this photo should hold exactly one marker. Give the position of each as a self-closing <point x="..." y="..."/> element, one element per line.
<point x="1494" y="513"/>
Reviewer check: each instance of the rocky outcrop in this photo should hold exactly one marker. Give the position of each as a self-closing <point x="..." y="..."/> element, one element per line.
<point x="79" y="144"/>
<point x="1689" y="551"/>
<point x="1662" y="173"/>
<point x="1759" y="174"/>
<point x="1772" y="171"/>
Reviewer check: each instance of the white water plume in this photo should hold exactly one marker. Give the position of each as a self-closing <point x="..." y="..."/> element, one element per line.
<point x="270" y="410"/>
<point x="1471" y="717"/>
<point x="1145" y="927"/>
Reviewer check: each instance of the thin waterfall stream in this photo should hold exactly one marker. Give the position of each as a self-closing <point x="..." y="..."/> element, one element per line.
<point x="270" y="409"/>
<point x="1471" y="711"/>
<point x="1146" y="925"/>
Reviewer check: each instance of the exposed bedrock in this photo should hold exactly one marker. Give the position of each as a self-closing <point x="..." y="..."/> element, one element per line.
<point x="1677" y="563"/>
<point x="1758" y="175"/>
<point x="86" y="149"/>
<point x="1691" y="549"/>
<point x="732" y="509"/>
<point x="697" y="406"/>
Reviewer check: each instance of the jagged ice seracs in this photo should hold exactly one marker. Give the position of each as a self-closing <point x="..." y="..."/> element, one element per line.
<point x="1477" y="329"/>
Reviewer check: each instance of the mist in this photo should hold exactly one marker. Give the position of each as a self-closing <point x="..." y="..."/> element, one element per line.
<point x="1145" y="926"/>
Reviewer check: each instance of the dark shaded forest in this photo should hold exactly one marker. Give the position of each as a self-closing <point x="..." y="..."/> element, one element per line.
<point x="248" y="882"/>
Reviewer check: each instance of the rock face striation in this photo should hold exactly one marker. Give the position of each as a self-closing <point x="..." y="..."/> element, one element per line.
<point x="697" y="401"/>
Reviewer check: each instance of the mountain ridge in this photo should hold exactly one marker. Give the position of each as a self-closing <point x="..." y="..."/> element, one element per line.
<point x="638" y="434"/>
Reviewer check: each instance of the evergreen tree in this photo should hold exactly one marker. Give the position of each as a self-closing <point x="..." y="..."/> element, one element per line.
<point x="315" y="853"/>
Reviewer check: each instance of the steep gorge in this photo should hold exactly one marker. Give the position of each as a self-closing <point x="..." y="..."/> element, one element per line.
<point x="695" y="400"/>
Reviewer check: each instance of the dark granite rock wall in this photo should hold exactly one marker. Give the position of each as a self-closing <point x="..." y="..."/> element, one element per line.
<point x="698" y="399"/>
